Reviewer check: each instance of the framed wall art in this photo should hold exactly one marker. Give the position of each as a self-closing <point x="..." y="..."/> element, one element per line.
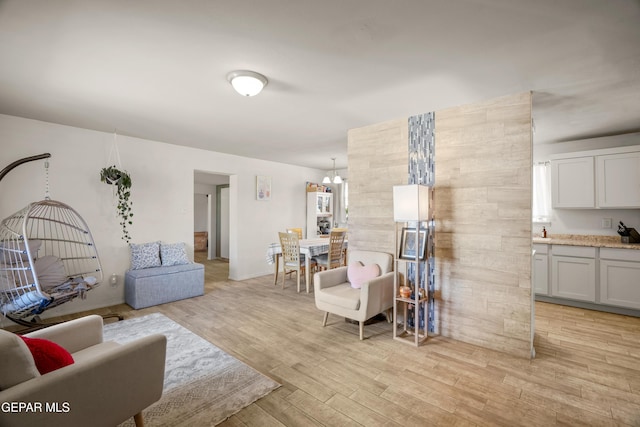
<point x="263" y="187"/>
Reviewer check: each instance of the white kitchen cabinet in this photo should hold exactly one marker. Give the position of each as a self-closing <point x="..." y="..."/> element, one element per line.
<point x="541" y="269"/>
<point x="573" y="272"/>
<point x="598" y="179"/>
<point x="319" y="214"/>
<point x="573" y="182"/>
<point x="618" y="178"/>
<point x="620" y="277"/>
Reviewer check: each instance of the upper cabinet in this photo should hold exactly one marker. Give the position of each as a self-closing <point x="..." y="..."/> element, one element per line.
<point x="319" y="214"/>
<point x="324" y="204"/>
<point x="608" y="178"/>
<point x="572" y="183"/>
<point x="619" y="180"/>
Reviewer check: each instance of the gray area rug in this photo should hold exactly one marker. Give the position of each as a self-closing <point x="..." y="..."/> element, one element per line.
<point x="203" y="385"/>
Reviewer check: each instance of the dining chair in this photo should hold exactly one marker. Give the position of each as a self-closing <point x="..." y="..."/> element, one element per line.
<point x="292" y="260"/>
<point x="344" y="250"/>
<point x="278" y="256"/>
<point x="298" y="231"/>
<point x="295" y="230"/>
<point x="333" y="258"/>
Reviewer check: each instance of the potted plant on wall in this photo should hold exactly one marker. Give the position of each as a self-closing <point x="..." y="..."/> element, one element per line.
<point x="122" y="182"/>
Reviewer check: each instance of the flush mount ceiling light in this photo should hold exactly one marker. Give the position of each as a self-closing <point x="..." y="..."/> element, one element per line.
<point x="336" y="178"/>
<point x="247" y="83"/>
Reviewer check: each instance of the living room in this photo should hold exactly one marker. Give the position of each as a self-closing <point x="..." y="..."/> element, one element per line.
<point x="163" y="187"/>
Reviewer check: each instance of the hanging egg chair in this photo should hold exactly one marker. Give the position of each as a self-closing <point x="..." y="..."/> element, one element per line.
<point x="47" y="258"/>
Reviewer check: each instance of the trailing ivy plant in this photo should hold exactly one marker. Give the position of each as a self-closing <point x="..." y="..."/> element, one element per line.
<point x="122" y="180"/>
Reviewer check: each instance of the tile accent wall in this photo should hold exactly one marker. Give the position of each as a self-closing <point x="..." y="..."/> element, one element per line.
<point x="421" y="149"/>
<point x="483" y="214"/>
<point x="377" y="157"/>
<point x="421" y="171"/>
<point x="483" y="223"/>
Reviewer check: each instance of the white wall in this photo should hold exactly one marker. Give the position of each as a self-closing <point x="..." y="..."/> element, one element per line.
<point x="200" y="214"/>
<point x="205" y="197"/>
<point x="224" y="223"/>
<point x="588" y="221"/>
<point x="163" y="192"/>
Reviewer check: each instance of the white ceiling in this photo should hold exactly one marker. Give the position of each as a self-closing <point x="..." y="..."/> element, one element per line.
<point x="156" y="69"/>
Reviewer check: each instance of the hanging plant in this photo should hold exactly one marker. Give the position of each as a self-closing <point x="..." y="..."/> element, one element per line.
<point x="122" y="180"/>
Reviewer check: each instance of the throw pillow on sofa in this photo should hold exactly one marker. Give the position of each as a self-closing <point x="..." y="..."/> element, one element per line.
<point x="48" y="355"/>
<point x="173" y="254"/>
<point x="145" y="255"/>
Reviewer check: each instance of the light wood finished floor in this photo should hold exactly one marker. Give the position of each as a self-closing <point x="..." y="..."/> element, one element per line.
<point x="587" y="369"/>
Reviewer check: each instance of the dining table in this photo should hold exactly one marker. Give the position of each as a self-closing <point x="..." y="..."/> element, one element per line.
<point x="308" y="247"/>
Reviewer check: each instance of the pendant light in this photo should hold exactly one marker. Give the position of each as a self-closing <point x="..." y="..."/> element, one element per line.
<point x="336" y="178"/>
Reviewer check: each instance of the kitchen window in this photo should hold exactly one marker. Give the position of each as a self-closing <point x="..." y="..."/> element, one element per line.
<point x="342" y="208"/>
<point x="541" y="206"/>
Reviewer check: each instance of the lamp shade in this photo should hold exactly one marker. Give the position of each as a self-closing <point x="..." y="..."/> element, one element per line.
<point x="410" y="202"/>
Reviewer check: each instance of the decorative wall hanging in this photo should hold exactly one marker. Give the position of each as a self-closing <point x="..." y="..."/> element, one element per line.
<point x="263" y="187"/>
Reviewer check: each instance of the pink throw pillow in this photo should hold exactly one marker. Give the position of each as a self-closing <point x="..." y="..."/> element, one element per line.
<point x="359" y="274"/>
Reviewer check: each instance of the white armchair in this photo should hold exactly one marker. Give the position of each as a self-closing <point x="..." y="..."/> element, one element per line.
<point x="107" y="384"/>
<point x="334" y="294"/>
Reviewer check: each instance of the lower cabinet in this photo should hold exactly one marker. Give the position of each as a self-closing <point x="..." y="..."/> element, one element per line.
<point x="599" y="277"/>
<point x="573" y="273"/>
<point x="620" y="277"/>
<point x="541" y="270"/>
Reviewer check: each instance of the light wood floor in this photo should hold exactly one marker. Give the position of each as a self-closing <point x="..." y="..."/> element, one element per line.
<point x="587" y="369"/>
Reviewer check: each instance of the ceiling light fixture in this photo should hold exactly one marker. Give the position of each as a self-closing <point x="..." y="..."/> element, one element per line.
<point x="247" y="83"/>
<point x="336" y="178"/>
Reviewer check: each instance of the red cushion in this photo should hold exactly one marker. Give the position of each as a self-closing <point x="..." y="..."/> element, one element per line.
<point x="359" y="274"/>
<point x="48" y="355"/>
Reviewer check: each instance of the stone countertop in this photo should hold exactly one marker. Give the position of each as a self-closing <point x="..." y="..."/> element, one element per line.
<point x="586" y="240"/>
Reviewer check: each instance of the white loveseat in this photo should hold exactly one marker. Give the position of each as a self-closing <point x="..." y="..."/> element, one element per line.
<point x="334" y="293"/>
<point x="107" y="384"/>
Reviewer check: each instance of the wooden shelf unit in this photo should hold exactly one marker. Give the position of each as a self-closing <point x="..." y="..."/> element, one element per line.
<point x="413" y="264"/>
<point x="409" y="312"/>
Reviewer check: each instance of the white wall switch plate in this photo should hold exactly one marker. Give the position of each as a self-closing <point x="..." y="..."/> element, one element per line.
<point x="606" y="222"/>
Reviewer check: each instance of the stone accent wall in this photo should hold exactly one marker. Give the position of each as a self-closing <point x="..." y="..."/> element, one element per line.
<point x="482" y="210"/>
<point x="483" y="222"/>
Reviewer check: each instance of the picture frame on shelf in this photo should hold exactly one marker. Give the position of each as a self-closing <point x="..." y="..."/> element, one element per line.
<point x="409" y="244"/>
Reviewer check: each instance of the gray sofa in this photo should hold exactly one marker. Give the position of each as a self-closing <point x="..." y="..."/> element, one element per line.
<point x="159" y="285"/>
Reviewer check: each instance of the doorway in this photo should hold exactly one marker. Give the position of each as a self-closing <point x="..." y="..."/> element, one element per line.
<point x="211" y="214"/>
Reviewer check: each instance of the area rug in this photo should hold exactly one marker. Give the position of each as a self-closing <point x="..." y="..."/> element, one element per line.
<point x="203" y="385"/>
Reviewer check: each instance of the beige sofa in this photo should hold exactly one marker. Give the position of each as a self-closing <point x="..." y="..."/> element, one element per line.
<point x="334" y="294"/>
<point x="107" y="384"/>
